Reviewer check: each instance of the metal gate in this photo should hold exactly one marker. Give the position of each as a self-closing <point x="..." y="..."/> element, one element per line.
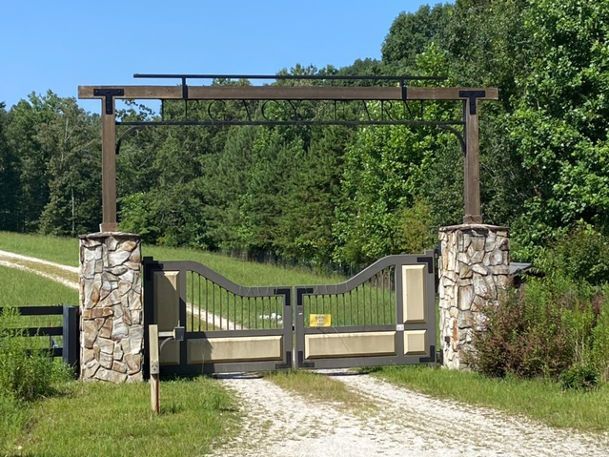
<point x="227" y="327"/>
<point x="384" y="315"/>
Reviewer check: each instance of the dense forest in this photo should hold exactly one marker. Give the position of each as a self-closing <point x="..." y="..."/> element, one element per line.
<point x="340" y="195"/>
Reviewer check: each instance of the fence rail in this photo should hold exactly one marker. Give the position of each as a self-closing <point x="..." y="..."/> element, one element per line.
<point x="68" y="330"/>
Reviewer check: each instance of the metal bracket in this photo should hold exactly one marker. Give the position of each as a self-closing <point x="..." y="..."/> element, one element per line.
<point x="302" y="363"/>
<point x="428" y="261"/>
<point x="472" y="95"/>
<point x="288" y="364"/>
<point x="108" y="95"/>
<point x="432" y="356"/>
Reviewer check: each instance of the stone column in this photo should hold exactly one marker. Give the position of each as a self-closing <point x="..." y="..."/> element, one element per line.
<point x="111" y="322"/>
<point x="473" y="270"/>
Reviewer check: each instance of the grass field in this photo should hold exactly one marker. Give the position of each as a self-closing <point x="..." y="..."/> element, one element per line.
<point x="371" y="303"/>
<point x="65" y="251"/>
<point x="110" y="420"/>
<point x="102" y="419"/>
<point x="538" y="399"/>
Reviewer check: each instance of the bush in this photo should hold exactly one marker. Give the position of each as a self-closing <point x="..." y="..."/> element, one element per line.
<point x="26" y="371"/>
<point x="581" y="254"/>
<point x="548" y="328"/>
<point x="580" y="377"/>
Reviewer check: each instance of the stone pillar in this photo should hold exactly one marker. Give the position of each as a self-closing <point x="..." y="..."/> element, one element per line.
<point x="111" y="322"/>
<point x="473" y="270"/>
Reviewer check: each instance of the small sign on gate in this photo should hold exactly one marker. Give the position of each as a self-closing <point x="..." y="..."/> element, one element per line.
<point x="320" y="320"/>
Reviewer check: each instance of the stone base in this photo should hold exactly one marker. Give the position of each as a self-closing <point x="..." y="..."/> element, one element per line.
<point x="474" y="269"/>
<point x="111" y="325"/>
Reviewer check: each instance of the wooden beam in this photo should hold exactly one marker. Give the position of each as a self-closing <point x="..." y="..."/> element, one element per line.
<point x="109" y="223"/>
<point x="471" y="165"/>
<point x="449" y="93"/>
<point x="286" y="93"/>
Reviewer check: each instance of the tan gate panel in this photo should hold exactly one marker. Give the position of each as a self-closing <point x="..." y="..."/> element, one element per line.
<point x="166" y="305"/>
<point x="415" y="342"/>
<point x="349" y="344"/>
<point x="413" y="292"/>
<point x="238" y="349"/>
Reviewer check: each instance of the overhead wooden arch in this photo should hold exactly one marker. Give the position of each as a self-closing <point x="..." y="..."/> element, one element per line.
<point x="377" y="89"/>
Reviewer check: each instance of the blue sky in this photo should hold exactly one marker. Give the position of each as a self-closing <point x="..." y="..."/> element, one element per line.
<point x="58" y="44"/>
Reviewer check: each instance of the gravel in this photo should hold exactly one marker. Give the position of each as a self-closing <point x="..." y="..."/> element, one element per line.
<point x="281" y="423"/>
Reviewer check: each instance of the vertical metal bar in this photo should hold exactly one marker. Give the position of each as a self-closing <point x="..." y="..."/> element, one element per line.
<point x="220" y="304"/>
<point x="351" y="306"/>
<point x="378" y="306"/>
<point x="206" y="289"/>
<point x="71" y="343"/>
<point x="213" y="304"/>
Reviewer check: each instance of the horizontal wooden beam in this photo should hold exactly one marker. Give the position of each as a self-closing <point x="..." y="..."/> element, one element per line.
<point x="450" y="93"/>
<point x="283" y="93"/>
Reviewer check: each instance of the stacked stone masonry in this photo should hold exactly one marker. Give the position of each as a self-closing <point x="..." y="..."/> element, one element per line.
<point x="474" y="269"/>
<point x="111" y="322"/>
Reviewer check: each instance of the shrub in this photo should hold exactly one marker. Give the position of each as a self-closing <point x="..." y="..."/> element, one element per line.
<point x="600" y="339"/>
<point x="547" y="328"/>
<point x="581" y="254"/>
<point x="580" y="377"/>
<point x="26" y="371"/>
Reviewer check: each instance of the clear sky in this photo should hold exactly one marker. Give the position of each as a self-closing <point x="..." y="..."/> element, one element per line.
<point x="57" y="45"/>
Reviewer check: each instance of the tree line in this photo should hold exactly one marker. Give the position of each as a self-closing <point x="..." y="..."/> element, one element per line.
<point x="340" y="195"/>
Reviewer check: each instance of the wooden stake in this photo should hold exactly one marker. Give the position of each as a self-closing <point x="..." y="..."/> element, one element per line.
<point x="155" y="386"/>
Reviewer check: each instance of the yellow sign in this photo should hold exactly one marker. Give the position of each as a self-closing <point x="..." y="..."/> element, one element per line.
<point x="320" y="320"/>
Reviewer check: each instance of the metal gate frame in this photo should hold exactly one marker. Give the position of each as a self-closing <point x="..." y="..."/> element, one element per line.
<point x="182" y="267"/>
<point x="293" y="329"/>
<point x="429" y="325"/>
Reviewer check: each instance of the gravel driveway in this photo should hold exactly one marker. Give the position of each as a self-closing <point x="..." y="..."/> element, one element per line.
<point x="405" y="423"/>
<point x="280" y="423"/>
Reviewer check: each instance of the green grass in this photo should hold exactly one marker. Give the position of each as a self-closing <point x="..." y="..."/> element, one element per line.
<point x="94" y="419"/>
<point x="319" y="388"/>
<point x="20" y="288"/>
<point x="367" y="304"/>
<point x="538" y="399"/>
<point x="65" y="251"/>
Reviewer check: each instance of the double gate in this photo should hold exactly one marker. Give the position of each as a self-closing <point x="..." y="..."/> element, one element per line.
<point x="384" y="315"/>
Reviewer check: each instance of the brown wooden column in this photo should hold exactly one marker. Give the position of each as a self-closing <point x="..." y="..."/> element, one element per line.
<point x="471" y="171"/>
<point x="109" y="223"/>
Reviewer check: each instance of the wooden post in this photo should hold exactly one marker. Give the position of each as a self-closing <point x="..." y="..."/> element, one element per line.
<point x="155" y="386"/>
<point x="471" y="170"/>
<point x="108" y="166"/>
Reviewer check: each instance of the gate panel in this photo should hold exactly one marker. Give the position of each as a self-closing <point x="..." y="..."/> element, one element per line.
<point x="228" y="328"/>
<point x="382" y="316"/>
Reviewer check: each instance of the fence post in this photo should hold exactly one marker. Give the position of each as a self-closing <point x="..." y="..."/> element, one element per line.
<point x="71" y="338"/>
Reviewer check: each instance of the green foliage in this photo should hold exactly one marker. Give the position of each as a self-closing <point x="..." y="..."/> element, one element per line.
<point x="581" y="254"/>
<point x="583" y="377"/>
<point x="553" y="327"/>
<point x="340" y="195"/>
<point x="26" y="371"/>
